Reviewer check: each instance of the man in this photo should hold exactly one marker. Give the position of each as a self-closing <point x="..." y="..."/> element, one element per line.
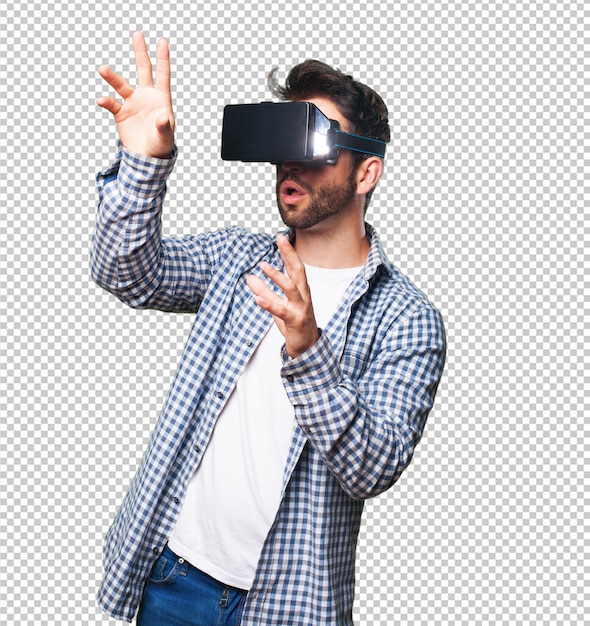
<point x="303" y="389"/>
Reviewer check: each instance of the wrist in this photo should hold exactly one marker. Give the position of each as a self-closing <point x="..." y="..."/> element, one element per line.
<point x="297" y="349"/>
<point x="143" y="175"/>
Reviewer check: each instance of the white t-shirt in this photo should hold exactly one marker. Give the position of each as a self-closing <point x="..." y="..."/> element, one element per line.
<point x="234" y="495"/>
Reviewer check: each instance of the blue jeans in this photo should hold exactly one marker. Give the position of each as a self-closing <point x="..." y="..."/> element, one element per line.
<point x="178" y="594"/>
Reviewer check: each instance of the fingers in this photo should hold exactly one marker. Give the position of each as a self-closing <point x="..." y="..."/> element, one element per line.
<point x="144" y="65"/>
<point x="118" y="83"/>
<point x="144" y="69"/>
<point x="292" y="313"/>
<point x="293" y="265"/>
<point x="287" y="307"/>
<point x="110" y="104"/>
<point x="293" y="283"/>
<point x="163" y="66"/>
<point x="142" y="61"/>
<point x="287" y="285"/>
<point x="265" y="296"/>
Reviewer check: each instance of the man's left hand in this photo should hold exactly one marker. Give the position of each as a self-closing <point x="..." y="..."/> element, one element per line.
<point x="293" y="313"/>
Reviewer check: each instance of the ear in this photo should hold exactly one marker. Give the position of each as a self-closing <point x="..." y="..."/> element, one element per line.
<point x="368" y="174"/>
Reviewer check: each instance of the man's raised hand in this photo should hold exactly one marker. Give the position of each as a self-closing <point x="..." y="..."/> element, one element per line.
<point x="145" y="119"/>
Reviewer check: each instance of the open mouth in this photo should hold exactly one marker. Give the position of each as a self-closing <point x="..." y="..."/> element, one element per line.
<point x="291" y="192"/>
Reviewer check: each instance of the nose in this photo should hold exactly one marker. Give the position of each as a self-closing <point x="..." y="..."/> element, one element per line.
<point x="292" y="166"/>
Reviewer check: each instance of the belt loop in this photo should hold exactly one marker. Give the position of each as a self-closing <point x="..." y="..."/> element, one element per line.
<point x="224" y="598"/>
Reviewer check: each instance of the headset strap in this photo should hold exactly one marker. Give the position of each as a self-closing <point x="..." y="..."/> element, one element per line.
<point x="349" y="141"/>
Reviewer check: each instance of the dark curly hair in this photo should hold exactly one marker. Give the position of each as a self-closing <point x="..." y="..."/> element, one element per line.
<point x="363" y="107"/>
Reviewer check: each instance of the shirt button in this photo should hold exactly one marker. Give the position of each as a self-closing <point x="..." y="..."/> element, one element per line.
<point x="156" y="550"/>
<point x="248" y="342"/>
<point x="219" y="395"/>
<point x="290" y="378"/>
<point x="176" y="500"/>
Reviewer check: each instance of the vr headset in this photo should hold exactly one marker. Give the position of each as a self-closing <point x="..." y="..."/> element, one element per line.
<point x="280" y="132"/>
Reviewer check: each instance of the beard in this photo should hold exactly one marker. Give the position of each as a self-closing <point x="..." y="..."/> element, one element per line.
<point x="324" y="202"/>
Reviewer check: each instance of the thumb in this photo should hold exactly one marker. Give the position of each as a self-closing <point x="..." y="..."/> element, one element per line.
<point x="165" y="130"/>
<point x="164" y="125"/>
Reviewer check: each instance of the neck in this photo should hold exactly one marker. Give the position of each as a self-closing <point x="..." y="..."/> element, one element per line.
<point x="333" y="248"/>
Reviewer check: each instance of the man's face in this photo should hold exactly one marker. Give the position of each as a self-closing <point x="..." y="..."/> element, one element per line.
<point x="309" y="193"/>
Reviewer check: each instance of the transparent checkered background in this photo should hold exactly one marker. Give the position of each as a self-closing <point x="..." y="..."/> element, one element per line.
<point x="483" y="204"/>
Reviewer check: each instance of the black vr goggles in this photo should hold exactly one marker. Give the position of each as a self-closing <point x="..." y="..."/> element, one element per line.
<point x="280" y="132"/>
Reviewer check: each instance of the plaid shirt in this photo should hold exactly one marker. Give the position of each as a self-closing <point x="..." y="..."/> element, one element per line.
<point x="361" y="396"/>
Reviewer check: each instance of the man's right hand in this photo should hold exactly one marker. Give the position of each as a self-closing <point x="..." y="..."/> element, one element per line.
<point x="145" y="119"/>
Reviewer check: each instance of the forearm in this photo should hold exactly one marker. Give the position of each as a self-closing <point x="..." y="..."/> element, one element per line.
<point x="126" y="247"/>
<point x="366" y="428"/>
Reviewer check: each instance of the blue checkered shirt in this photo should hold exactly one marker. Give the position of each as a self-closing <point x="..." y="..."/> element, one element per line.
<point x="361" y="396"/>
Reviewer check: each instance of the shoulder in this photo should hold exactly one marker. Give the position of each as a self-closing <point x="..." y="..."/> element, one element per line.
<point x="229" y="247"/>
<point x="235" y="240"/>
<point x="401" y="302"/>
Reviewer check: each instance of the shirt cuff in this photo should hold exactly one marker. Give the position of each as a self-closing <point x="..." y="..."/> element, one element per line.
<point x="142" y="175"/>
<point x="310" y="373"/>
